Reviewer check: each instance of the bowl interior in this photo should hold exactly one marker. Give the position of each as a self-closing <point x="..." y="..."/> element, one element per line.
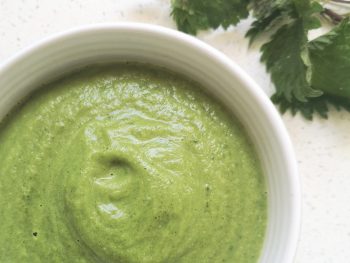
<point x="65" y="52"/>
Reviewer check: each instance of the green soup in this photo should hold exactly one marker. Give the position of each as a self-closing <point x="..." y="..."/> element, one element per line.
<point x="128" y="163"/>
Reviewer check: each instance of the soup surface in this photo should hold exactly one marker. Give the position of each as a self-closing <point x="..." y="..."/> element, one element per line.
<point x="128" y="163"/>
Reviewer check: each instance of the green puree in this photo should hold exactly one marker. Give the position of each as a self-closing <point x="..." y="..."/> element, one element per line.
<point x="128" y="163"/>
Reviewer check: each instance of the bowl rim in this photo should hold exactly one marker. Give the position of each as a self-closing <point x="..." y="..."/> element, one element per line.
<point x="252" y="87"/>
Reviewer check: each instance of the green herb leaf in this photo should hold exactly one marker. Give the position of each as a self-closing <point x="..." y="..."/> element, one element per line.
<point x="308" y="76"/>
<point x="264" y="8"/>
<point x="193" y="15"/>
<point x="319" y="105"/>
<point x="268" y="13"/>
<point x="330" y="57"/>
<point x="263" y="24"/>
<point x="286" y="58"/>
<point x="286" y="55"/>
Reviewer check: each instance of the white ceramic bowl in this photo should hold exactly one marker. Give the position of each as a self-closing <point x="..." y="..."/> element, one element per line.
<point x="67" y="51"/>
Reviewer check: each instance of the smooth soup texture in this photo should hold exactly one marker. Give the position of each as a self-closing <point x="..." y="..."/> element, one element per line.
<point x="128" y="163"/>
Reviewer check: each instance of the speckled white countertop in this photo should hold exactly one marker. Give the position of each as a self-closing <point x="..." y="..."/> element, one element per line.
<point x="322" y="146"/>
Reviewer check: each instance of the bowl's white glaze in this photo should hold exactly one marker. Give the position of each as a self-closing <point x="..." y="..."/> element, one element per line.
<point x="222" y="78"/>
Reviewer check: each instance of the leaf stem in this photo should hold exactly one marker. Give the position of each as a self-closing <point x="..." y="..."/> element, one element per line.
<point x="335" y="17"/>
<point x="341" y="1"/>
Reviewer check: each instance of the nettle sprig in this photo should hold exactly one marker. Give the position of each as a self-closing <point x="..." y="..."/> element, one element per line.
<point x="308" y="75"/>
